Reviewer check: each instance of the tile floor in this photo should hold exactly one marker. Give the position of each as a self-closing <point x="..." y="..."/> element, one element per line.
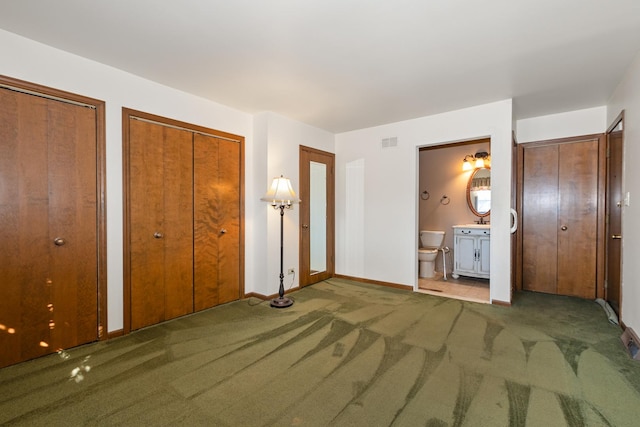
<point x="463" y="288"/>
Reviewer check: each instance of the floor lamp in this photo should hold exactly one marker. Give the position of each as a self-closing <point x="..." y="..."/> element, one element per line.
<point x="281" y="196"/>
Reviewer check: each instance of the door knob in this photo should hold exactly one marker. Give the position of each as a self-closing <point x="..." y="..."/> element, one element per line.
<point x="563" y="228"/>
<point x="224" y="230"/>
<point x="305" y="226"/>
<point x="59" y="241"/>
<point x="158" y="235"/>
<point x="616" y="236"/>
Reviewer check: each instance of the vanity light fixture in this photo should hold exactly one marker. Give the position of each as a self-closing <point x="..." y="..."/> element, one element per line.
<point x="482" y="159"/>
<point x="475" y="161"/>
<point x="466" y="162"/>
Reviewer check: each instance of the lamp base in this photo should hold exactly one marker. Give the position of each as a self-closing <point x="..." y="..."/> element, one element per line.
<point x="281" y="302"/>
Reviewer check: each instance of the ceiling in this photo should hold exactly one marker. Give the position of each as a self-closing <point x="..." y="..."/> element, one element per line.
<point x="342" y="65"/>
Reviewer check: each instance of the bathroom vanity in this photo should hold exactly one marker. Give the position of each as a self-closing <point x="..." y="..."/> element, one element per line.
<point x="471" y="249"/>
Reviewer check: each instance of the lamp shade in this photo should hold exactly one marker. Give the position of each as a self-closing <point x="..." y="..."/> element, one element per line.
<point x="280" y="192"/>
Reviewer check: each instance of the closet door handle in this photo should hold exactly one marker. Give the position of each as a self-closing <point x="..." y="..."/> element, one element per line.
<point x="616" y="236"/>
<point x="222" y="231"/>
<point x="564" y="228"/>
<point x="158" y="235"/>
<point x="59" y="241"/>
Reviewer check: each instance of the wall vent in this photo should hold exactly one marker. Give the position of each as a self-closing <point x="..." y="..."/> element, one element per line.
<point x="390" y="142"/>
<point x="631" y="343"/>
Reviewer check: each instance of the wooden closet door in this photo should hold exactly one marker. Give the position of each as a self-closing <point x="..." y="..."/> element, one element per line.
<point x="577" y="218"/>
<point x="217" y="189"/>
<point x="560" y="218"/>
<point x="539" y="219"/>
<point x="161" y="222"/>
<point x="73" y="224"/>
<point x="48" y="216"/>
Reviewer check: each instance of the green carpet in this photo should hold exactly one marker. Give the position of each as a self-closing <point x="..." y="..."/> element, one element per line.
<point x="345" y="354"/>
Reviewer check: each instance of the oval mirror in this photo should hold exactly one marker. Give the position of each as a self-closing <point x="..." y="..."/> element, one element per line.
<point x="479" y="192"/>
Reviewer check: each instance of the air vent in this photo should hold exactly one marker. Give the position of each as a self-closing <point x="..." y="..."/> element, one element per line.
<point x="631" y="343"/>
<point x="390" y="142"/>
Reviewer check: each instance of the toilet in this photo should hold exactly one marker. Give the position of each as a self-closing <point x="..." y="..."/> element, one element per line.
<point x="430" y="244"/>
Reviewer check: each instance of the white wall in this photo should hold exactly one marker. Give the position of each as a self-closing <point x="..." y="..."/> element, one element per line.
<point x="574" y="123"/>
<point x="282" y="137"/>
<point x="37" y="63"/>
<point x="388" y="207"/>
<point x="627" y="97"/>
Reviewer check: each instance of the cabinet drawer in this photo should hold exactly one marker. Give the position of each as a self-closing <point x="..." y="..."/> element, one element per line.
<point x="472" y="231"/>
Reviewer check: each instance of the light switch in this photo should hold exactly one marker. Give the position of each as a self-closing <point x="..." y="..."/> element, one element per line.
<point x="627" y="199"/>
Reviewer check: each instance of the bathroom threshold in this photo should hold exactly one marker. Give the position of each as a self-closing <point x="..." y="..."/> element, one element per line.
<point x="463" y="288"/>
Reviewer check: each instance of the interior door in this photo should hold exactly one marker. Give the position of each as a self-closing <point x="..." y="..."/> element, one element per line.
<point x="614" y="203"/>
<point x="317" y="215"/>
<point x="217" y="218"/>
<point x="49" y="225"/>
<point x="161" y="222"/>
<point x="539" y="219"/>
<point x="560" y="217"/>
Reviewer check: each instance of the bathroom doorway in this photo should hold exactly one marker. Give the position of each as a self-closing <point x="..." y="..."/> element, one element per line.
<point x="445" y="200"/>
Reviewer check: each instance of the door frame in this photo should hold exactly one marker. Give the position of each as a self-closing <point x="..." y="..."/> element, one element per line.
<point x="306" y="155"/>
<point x="127" y="114"/>
<point x="619" y="120"/>
<point x="101" y="181"/>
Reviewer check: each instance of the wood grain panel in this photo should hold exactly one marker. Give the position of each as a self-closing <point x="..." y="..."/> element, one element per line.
<point x="178" y="221"/>
<point x="188" y="184"/>
<point x="10" y="201"/>
<point x="161" y="202"/>
<point x="614" y="213"/>
<point x="146" y="192"/>
<point x="577" y="220"/>
<point x="539" y="219"/>
<point x="206" y="221"/>
<point x="49" y="181"/>
<point x="217" y="190"/>
<point x="228" y="203"/>
<point x="24" y="204"/>
<point x="72" y="217"/>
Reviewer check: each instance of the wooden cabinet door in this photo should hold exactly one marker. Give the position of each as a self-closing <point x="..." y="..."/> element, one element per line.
<point x="465" y="255"/>
<point x="484" y="255"/>
<point x="217" y="190"/>
<point x="560" y="218"/>
<point x="161" y="222"/>
<point x="48" y="218"/>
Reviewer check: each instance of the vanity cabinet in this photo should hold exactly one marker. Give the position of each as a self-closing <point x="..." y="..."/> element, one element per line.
<point x="471" y="251"/>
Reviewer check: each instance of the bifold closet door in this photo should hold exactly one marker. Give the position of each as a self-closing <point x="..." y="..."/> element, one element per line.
<point x="48" y="226"/>
<point x="560" y="218"/>
<point x="161" y="222"/>
<point x="216" y="221"/>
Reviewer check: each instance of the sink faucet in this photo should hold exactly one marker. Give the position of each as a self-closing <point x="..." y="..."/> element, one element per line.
<point x="481" y="221"/>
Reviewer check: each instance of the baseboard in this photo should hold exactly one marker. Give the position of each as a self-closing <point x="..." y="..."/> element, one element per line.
<point x="374" y="282"/>
<point x="115" y="334"/>
<point x="501" y="303"/>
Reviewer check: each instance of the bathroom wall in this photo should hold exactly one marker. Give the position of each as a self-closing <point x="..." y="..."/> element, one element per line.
<point x="441" y="174"/>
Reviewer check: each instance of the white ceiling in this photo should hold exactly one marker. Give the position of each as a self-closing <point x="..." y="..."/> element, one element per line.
<point x="348" y="64"/>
